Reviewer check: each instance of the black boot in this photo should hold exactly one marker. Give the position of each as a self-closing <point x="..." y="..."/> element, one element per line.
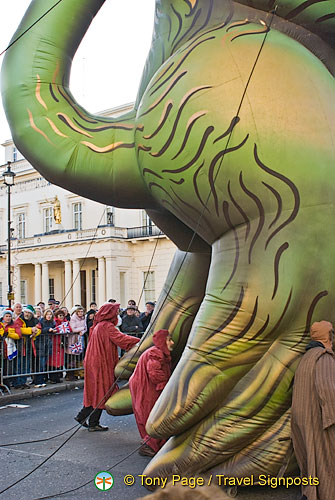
<point x="82" y="422"/>
<point x="97" y="427"/>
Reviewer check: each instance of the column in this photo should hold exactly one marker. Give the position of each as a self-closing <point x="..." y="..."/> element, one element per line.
<point x="38" y="283"/>
<point x="88" y="287"/>
<point x="76" y="282"/>
<point x="68" y="284"/>
<point x="101" y="281"/>
<point x="17" y="283"/>
<point x="45" y="282"/>
<point x="110" y="278"/>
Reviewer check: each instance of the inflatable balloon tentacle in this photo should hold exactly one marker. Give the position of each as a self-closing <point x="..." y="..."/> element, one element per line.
<point x="241" y="313"/>
<point x="37" y="101"/>
<point x="268" y="453"/>
<point x="265" y="454"/>
<point x="178" y="22"/>
<point x="178" y="319"/>
<point x="176" y="308"/>
<point x="251" y="410"/>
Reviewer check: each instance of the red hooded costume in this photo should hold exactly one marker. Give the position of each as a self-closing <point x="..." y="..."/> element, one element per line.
<point x="102" y="356"/>
<point x="151" y="375"/>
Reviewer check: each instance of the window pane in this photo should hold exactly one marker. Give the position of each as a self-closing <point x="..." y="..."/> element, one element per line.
<point x="23" y="291"/>
<point x="47" y="219"/>
<point x="51" y="288"/>
<point x="93" y="290"/>
<point x="149" y="285"/>
<point x="77" y="216"/>
<point x="21" y="226"/>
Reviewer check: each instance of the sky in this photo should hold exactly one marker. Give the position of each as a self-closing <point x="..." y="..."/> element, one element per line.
<point x="115" y="73"/>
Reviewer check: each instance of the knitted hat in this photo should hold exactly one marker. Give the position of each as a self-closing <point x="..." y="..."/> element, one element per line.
<point x="29" y="308"/>
<point x="75" y="308"/>
<point x="7" y="311"/>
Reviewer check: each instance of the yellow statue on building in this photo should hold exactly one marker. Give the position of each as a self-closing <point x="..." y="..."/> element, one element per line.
<point x="57" y="211"/>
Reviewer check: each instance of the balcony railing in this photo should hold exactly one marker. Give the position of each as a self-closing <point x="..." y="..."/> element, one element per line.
<point x="143" y="231"/>
<point x="71" y="236"/>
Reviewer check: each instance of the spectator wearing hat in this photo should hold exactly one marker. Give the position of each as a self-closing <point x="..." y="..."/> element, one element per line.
<point x="145" y="317"/>
<point x="28" y="325"/>
<point x="8" y="350"/>
<point x="131" y="323"/>
<point x="79" y="328"/>
<point x="89" y="322"/>
<point x="131" y="303"/>
<point x="52" y="304"/>
<point x="56" y="358"/>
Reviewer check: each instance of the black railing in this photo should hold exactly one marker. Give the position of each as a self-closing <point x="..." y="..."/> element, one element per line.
<point x="142" y="231"/>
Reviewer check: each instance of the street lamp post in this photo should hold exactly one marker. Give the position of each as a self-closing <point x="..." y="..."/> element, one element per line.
<point x="8" y="176"/>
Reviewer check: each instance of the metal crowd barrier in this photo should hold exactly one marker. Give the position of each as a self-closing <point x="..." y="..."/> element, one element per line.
<point x="48" y="357"/>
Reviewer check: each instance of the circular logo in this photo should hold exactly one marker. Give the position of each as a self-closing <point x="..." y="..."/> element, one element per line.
<point x="104" y="481"/>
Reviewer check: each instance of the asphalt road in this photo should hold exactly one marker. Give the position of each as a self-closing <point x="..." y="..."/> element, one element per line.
<point x="82" y="457"/>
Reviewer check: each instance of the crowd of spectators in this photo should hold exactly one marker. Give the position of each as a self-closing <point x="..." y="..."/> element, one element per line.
<point x="41" y="344"/>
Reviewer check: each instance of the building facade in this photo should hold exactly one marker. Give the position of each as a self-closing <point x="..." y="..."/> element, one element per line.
<point x="73" y="249"/>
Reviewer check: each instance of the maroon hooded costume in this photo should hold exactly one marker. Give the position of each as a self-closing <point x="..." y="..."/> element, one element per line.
<point x="151" y="375"/>
<point x="102" y="356"/>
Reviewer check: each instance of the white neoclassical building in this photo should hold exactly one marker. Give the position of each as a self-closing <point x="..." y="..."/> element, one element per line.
<point x="73" y="249"/>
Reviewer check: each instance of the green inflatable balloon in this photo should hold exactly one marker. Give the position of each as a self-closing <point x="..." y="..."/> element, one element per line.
<point x="230" y="148"/>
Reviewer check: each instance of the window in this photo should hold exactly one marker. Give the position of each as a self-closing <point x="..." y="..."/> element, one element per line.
<point x="14" y="154"/>
<point x="145" y="218"/>
<point x="77" y="216"/>
<point x="23" y="291"/>
<point x="110" y="213"/>
<point x="149" y="285"/>
<point x="21" y="225"/>
<point x="146" y="224"/>
<point x="47" y="219"/>
<point x="51" y="288"/>
<point x="93" y="286"/>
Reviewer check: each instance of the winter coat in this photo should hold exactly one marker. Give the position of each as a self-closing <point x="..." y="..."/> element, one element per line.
<point x="151" y="375"/>
<point x="7" y="330"/>
<point x="89" y="322"/>
<point x="78" y="326"/>
<point x="102" y="356"/>
<point x="26" y="345"/>
<point x="56" y="358"/>
<point x="131" y="324"/>
<point x="43" y="343"/>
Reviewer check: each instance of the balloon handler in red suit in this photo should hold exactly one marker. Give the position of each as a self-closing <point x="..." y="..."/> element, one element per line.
<point x="151" y="374"/>
<point x="100" y="360"/>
